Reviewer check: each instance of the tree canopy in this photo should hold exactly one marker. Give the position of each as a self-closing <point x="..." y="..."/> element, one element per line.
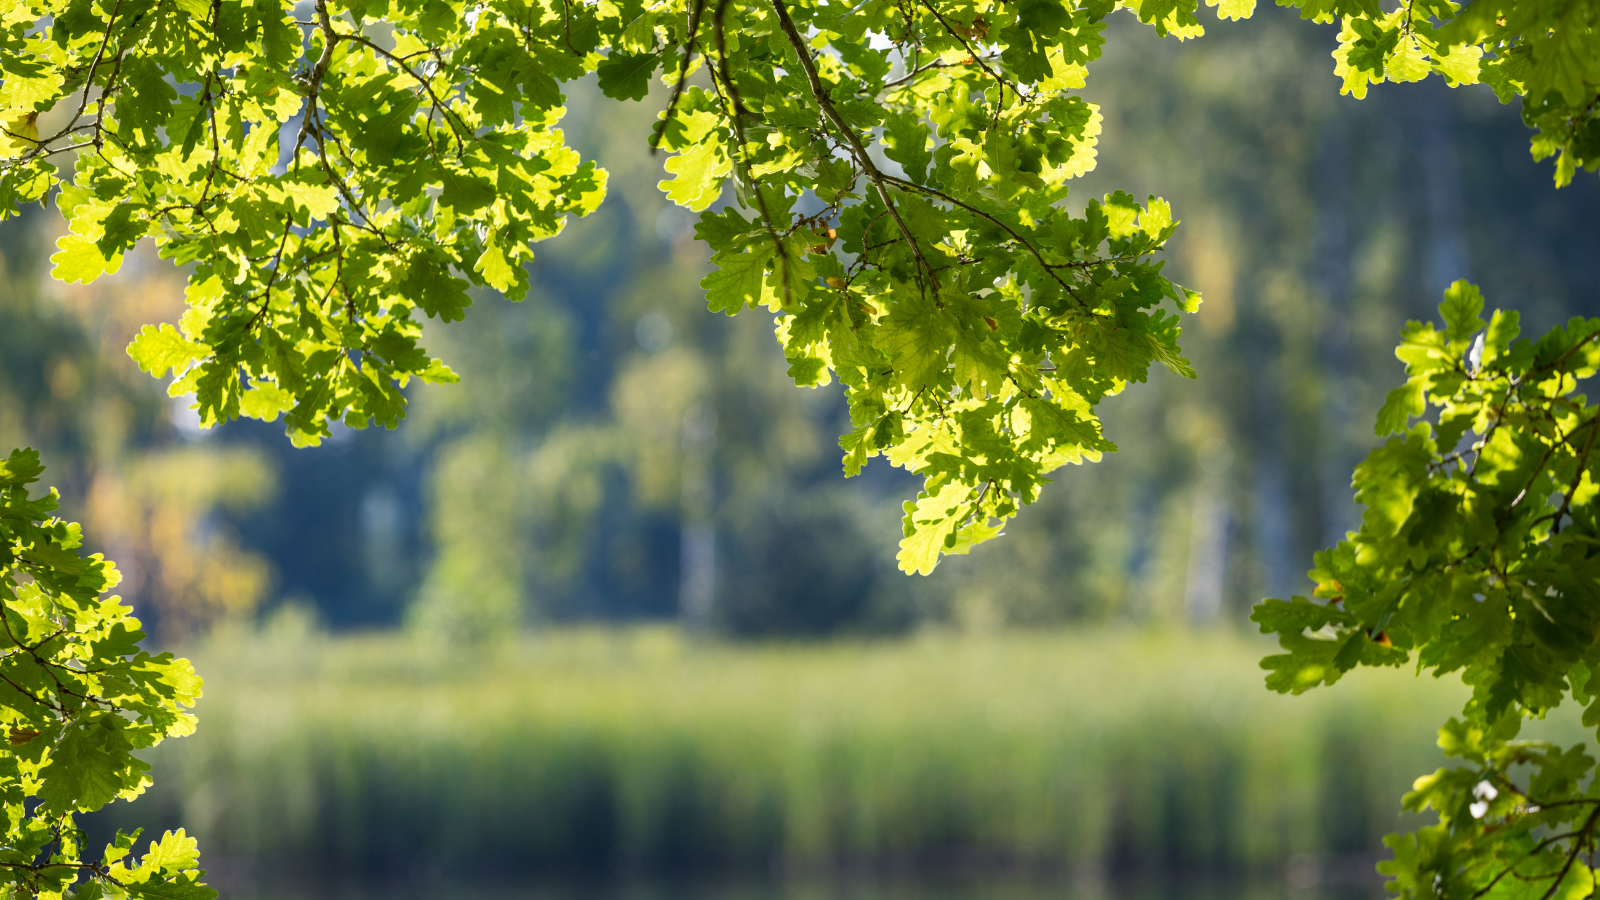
<point x="334" y="174"/>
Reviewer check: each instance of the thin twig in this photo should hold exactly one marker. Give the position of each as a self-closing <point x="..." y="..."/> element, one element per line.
<point x="1583" y="462"/>
<point x="819" y="92"/>
<point x="566" y="26"/>
<point x="1572" y="857"/>
<point x="738" y="112"/>
<point x="88" y="81"/>
<point x="318" y="71"/>
<point x="936" y="64"/>
<point x="277" y="268"/>
<point x="683" y="73"/>
<point x="450" y="116"/>
<point x="999" y="79"/>
<point x="1049" y="269"/>
<point x="1561" y="361"/>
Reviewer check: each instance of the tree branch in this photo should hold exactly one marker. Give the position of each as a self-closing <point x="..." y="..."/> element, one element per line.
<point x="1049" y="269"/>
<point x="819" y="92"/>
<point x="318" y="71"/>
<point x="683" y="71"/>
<point x="1577" y="478"/>
<point x="999" y="79"/>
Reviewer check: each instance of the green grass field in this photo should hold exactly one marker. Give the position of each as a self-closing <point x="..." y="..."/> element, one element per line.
<point x="1103" y="750"/>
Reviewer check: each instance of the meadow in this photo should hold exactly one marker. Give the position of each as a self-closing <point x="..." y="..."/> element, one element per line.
<point x="1108" y="752"/>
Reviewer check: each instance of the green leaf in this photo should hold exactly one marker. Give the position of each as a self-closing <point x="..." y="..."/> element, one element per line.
<point x="739" y="279"/>
<point x="917" y="335"/>
<point x="1400" y="406"/>
<point x="1312" y="662"/>
<point x="437" y="292"/>
<point x="1296" y="615"/>
<point x="160" y="349"/>
<point x="265" y="402"/>
<point x="626" y="76"/>
<point x="1504" y="326"/>
<point x="698" y="174"/>
<point x="1462" y="304"/>
<point x="906" y="141"/>
<point x="89" y="767"/>
<point x="176" y="852"/>
<point x="464" y="191"/>
<point x="21" y="468"/>
<point x="930" y="525"/>
<point x="81" y="261"/>
<point x="1388" y="481"/>
<point x="383" y="130"/>
<point x="182" y="887"/>
<point x="1233" y="9"/>
<point x="495" y="268"/>
<point x="147" y="99"/>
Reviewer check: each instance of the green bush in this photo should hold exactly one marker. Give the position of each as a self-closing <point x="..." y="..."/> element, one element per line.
<point x="597" y="751"/>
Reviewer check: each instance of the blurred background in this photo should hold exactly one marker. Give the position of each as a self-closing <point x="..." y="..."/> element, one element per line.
<point x="607" y="618"/>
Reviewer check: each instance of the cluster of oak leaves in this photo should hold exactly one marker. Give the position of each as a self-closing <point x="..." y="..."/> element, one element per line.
<point x="77" y="697"/>
<point x="334" y="172"/>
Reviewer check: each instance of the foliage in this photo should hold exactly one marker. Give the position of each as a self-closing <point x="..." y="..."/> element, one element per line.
<point x="1478" y="553"/>
<point x="938" y="297"/>
<point x="974" y="321"/>
<point x="1538" y="50"/>
<point x="78" y="698"/>
<point x="1110" y="749"/>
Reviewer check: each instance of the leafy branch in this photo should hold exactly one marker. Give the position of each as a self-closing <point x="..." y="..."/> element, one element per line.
<point x="66" y="741"/>
<point x="819" y="93"/>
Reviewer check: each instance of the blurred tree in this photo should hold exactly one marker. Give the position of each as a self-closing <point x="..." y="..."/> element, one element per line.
<point x="475" y="588"/>
<point x="684" y="439"/>
<point x="186" y="571"/>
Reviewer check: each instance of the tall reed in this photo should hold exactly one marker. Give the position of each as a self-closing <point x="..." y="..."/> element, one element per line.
<point x="643" y="750"/>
